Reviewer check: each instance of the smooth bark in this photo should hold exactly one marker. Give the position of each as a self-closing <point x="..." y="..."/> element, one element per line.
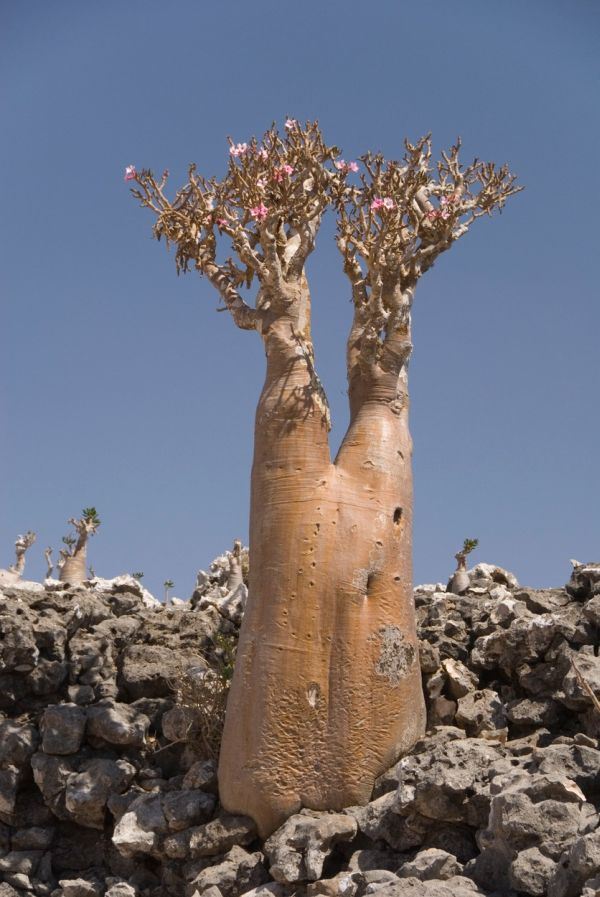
<point x="327" y="689"/>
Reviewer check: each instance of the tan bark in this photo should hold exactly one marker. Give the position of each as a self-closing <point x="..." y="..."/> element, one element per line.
<point x="327" y="689"/>
<point x="74" y="569"/>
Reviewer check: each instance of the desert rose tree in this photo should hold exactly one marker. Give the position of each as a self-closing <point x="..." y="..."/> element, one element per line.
<point x="327" y="687"/>
<point x="72" y="567"/>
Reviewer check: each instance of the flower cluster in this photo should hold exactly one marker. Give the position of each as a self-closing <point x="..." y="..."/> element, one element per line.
<point x="290" y="124"/>
<point x="130" y="173"/>
<point x="444" y="212"/>
<point x="259" y="212"/>
<point x="385" y="202"/>
<point x="281" y="173"/>
<point x="345" y="167"/>
<point x="238" y="149"/>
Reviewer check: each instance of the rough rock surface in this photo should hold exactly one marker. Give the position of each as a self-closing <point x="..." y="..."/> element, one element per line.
<point x="103" y="793"/>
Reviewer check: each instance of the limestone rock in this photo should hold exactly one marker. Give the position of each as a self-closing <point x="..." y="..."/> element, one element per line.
<point x="237" y="873"/>
<point x="215" y="837"/>
<point x="140" y="827"/>
<point x="431" y="864"/>
<point x="298" y="849"/>
<point x="117" y="724"/>
<point x="481" y="711"/>
<point x="62" y="727"/>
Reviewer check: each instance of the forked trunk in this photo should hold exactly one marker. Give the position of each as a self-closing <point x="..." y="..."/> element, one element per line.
<point x="327" y="689"/>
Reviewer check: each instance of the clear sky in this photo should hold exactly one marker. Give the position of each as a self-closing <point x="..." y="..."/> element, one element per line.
<point x="121" y="386"/>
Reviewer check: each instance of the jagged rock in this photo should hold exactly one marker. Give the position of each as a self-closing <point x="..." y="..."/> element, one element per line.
<point x="481" y="711"/>
<point x="87" y="793"/>
<point x="140" y="827"/>
<point x="460" y="679"/>
<point x="298" y="849"/>
<point x="150" y="671"/>
<point x="117" y="724"/>
<point x="576" y="865"/>
<point x="203" y="775"/>
<point x="380" y="821"/>
<point x="585" y="580"/>
<point x="493" y="573"/>
<point x="448" y="781"/>
<point x="528" y="811"/>
<point x="432" y="863"/>
<point x="80" y="887"/>
<point x="526" y="712"/>
<point x="575" y="697"/>
<point x="578" y="762"/>
<point x="237" y="873"/>
<point x="183" y="809"/>
<point x="459" y="886"/>
<point x="217" y="836"/>
<point x="353" y="885"/>
<point x="121" y="889"/>
<point x="531" y="871"/>
<point x="62" y="727"/>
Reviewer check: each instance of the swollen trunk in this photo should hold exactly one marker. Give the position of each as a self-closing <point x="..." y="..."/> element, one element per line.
<point x="327" y="690"/>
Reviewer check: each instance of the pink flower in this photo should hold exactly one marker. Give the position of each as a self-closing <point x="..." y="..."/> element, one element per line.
<point x="238" y="149"/>
<point x="383" y="203"/>
<point x="445" y="215"/>
<point x="344" y="166"/>
<point x="130" y="173"/>
<point x="262" y="153"/>
<point x="433" y="214"/>
<point x="259" y="212"/>
<point x="221" y="222"/>
<point x="261" y="183"/>
<point x="280" y="173"/>
<point x="290" y="124"/>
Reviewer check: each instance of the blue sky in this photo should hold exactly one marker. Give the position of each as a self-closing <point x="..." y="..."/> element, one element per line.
<point x="122" y="388"/>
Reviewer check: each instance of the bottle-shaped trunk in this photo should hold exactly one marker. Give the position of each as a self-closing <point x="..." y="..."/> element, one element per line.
<point x="74" y="569"/>
<point x="327" y="689"/>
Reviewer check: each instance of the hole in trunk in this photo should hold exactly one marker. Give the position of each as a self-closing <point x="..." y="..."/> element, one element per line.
<point x="397" y="515"/>
<point x="370" y="581"/>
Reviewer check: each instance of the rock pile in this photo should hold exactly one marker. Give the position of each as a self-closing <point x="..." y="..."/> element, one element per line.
<point x="103" y="794"/>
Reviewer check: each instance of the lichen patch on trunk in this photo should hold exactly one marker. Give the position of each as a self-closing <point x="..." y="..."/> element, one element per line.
<point x="396" y="655"/>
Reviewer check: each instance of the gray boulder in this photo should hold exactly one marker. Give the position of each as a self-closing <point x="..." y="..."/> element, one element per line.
<point x="298" y="849"/>
<point x="62" y="727"/>
<point x="432" y="863"/>
<point x="118" y="724"/>
<point x="140" y="828"/>
<point x="215" y="837"/>
<point x="237" y="873"/>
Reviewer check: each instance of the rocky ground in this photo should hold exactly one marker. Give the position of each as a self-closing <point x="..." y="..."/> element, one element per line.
<point x="104" y="792"/>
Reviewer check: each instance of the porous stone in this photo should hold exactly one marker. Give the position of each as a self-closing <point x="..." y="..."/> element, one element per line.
<point x="62" y="727"/>
<point x="298" y="849"/>
<point x="432" y="863"/>
<point x="117" y="724"/>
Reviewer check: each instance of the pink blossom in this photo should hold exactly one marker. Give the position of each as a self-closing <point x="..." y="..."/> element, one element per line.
<point x="130" y="173"/>
<point x="383" y="203"/>
<point x="445" y="215"/>
<point x="280" y="173"/>
<point x="290" y="124"/>
<point x="344" y="166"/>
<point x="262" y="153"/>
<point x="221" y="222"/>
<point x="238" y="149"/>
<point x="261" y="183"/>
<point x="259" y="212"/>
<point x="434" y="213"/>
